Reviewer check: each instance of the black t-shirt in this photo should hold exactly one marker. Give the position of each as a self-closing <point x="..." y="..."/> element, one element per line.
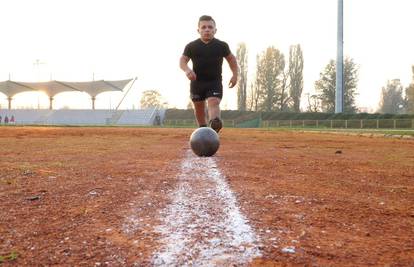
<point x="207" y="58"/>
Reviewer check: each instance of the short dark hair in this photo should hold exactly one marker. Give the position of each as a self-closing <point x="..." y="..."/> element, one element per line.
<point x="206" y="18"/>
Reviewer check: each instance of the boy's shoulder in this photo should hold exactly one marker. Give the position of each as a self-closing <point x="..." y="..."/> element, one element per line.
<point x="196" y="41"/>
<point x="220" y="41"/>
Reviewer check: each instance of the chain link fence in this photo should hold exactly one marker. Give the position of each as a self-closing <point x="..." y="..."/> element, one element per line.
<point x="322" y="124"/>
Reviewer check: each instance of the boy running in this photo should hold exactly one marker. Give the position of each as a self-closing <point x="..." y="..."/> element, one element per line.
<point x="206" y="54"/>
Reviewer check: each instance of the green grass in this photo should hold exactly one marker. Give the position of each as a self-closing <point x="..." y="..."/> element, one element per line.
<point x="10" y="257"/>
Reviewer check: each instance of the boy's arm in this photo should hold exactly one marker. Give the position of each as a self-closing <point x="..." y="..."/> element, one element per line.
<point x="231" y="59"/>
<point x="184" y="66"/>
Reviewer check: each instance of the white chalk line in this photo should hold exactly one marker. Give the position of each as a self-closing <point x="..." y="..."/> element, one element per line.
<point x="203" y="225"/>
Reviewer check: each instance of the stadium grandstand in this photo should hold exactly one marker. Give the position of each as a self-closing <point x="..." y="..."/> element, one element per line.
<point x="91" y="116"/>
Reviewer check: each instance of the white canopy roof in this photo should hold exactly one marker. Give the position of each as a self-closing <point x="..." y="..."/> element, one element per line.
<point x="52" y="88"/>
<point x="96" y="87"/>
<point x="10" y="88"/>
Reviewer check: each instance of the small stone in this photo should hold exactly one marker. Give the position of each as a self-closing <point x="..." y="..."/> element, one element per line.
<point x="33" y="198"/>
<point x="288" y="250"/>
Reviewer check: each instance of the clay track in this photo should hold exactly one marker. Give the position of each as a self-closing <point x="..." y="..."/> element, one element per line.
<point x="95" y="196"/>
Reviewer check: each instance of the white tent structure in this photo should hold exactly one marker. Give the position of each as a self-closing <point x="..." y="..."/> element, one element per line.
<point x="96" y="87"/>
<point x="10" y="88"/>
<point x="52" y="88"/>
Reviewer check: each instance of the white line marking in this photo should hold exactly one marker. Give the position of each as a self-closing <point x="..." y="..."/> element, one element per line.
<point x="203" y="225"/>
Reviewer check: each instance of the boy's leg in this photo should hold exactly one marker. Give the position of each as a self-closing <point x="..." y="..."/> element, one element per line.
<point x="213" y="104"/>
<point x="199" y="112"/>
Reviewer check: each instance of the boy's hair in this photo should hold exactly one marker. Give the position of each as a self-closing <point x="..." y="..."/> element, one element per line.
<point x="206" y="18"/>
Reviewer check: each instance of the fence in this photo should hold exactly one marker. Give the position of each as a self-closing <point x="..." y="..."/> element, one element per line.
<point x="345" y="124"/>
<point x="334" y="124"/>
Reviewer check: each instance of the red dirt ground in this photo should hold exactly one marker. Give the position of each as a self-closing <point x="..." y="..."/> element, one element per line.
<point x="339" y="200"/>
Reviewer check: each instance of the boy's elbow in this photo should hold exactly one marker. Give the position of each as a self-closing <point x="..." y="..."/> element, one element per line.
<point x="232" y="60"/>
<point x="183" y="61"/>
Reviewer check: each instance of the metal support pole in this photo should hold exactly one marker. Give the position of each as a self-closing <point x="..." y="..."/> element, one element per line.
<point x="339" y="92"/>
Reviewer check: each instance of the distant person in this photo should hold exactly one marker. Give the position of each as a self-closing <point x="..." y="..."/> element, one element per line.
<point x="206" y="54"/>
<point x="0" y="119"/>
<point x="12" y="119"/>
<point x="6" y="119"/>
<point x="157" y="120"/>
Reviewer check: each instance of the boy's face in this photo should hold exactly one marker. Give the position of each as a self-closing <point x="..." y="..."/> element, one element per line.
<point x="206" y="29"/>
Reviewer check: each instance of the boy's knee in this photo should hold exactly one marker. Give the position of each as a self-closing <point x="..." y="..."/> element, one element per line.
<point x="213" y="101"/>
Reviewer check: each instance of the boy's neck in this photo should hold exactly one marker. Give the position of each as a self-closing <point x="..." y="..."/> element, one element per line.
<point x="206" y="41"/>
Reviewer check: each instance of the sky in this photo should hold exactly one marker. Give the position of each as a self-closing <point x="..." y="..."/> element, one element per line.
<point x="81" y="40"/>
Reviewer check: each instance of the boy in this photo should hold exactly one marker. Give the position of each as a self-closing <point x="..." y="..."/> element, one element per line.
<point x="206" y="54"/>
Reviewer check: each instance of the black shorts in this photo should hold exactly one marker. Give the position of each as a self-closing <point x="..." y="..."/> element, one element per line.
<point x="201" y="90"/>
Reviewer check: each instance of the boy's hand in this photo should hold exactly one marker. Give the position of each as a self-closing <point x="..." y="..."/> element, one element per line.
<point x="191" y="75"/>
<point x="233" y="81"/>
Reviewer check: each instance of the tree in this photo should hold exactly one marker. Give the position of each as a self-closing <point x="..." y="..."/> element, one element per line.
<point x="313" y="103"/>
<point x="296" y="75"/>
<point x="409" y="96"/>
<point x="242" y="84"/>
<point x="283" y="96"/>
<point x="250" y="98"/>
<point x="391" y="97"/>
<point x="253" y="96"/>
<point x="350" y="85"/>
<point x="326" y="86"/>
<point x="270" y="66"/>
<point x="151" y="98"/>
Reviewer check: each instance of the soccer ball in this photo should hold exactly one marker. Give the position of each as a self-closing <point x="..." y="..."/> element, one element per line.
<point x="204" y="142"/>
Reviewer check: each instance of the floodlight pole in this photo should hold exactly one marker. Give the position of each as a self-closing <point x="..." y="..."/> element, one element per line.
<point x="339" y="92"/>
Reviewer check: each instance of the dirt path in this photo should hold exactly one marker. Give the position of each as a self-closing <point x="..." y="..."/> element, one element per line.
<point x="135" y="197"/>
